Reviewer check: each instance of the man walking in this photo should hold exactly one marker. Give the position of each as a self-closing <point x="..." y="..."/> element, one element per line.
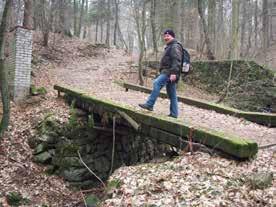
<point x="170" y="66"/>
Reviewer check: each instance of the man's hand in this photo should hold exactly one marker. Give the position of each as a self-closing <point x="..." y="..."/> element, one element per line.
<point x="172" y="77"/>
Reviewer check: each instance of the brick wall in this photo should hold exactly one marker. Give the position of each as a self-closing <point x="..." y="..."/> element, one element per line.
<point x="19" y="63"/>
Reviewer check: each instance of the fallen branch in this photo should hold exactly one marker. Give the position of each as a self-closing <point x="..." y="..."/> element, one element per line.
<point x="130" y="120"/>
<point x="91" y="170"/>
<point x="267" y="146"/>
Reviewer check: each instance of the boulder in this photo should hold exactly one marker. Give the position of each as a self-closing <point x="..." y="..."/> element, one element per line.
<point x="44" y="157"/>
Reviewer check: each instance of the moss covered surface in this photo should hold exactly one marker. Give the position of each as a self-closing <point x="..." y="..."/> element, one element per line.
<point x="238" y="147"/>
<point x="251" y="86"/>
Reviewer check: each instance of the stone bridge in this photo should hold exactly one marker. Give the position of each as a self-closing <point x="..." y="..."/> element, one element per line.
<point x="111" y="135"/>
<point x="105" y="135"/>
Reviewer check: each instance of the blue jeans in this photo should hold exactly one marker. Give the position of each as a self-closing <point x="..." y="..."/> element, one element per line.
<point x="158" y="84"/>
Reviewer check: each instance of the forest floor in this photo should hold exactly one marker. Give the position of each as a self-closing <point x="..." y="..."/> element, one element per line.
<point x="197" y="179"/>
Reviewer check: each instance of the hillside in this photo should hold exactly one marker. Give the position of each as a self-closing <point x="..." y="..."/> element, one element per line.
<point x="268" y="59"/>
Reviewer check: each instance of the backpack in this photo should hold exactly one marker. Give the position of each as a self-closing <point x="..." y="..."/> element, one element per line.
<point x="186" y="61"/>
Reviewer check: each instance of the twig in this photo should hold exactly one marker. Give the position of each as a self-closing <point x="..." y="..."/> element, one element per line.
<point x="113" y="145"/>
<point x="223" y="176"/>
<point x="198" y="146"/>
<point x="91" y="170"/>
<point x="83" y="199"/>
<point x="225" y="95"/>
<point x="92" y="190"/>
<point x="190" y="140"/>
<point x="267" y="146"/>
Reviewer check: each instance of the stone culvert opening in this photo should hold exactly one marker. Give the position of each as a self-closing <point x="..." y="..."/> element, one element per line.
<point x="92" y="135"/>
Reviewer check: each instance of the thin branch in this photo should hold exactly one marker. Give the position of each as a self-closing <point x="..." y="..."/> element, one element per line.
<point x="113" y="144"/>
<point x="91" y="170"/>
<point x="191" y="140"/>
<point x="83" y="198"/>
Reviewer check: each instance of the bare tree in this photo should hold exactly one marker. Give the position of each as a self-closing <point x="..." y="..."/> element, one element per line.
<point x="140" y="20"/>
<point x="86" y="19"/>
<point x="81" y="18"/>
<point x="153" y="26"/>
<point x="265" y="29"/>
<point x="108" y="17"/>
<point x="220" y="29"/>
<point x="116" y="6"/>
<point x="210" y="55"/>
<point x="27" y="22"/>
<point x="64" y="25"/>
<point x="3" y="71"/>
<point x="234" y="49"/>
<point x="211" y="23"/>
<point x="76" y="17"/>
<point x="256" y="24"/>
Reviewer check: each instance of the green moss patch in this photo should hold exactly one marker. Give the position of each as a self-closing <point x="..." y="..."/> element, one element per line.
<point x="251" y="86"/>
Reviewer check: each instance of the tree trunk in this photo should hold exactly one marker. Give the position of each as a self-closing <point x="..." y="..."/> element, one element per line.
<point x="101" y="27"/>
<point x="210" y="55"/>
<point x="45" y="31"/>
<point x="3" y="71"/>
<point x="211" y="22"/>
<point x="244" y="6"/>
<point x="140" y="20"/>
<point x="250" y="27"/>
<point x="63" y="21"/>
<point x="122" y="38"/>
<point x="96" y="32"/>
<point x="235" y="29"/>
<point x="27" y="22"/>
<point x="107" y="40"/>
<point x="75" y="17"/>
<point x="220" y="30"/>
<point x="81" y="18"/>
<point x="116" y="4"/>
<point x="256" y="24"/>
<point x="153" y="26"/>
<point x="86" y="20"/>
<point x="265" y="29"/>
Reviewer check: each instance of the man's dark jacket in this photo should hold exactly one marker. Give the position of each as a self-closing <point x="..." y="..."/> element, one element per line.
<point x="171" y="61"/>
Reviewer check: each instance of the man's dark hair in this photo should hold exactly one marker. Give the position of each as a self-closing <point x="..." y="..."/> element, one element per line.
<point x="170" y="32"/>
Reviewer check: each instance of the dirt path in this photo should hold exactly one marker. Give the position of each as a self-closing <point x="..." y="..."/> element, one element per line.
<point x="97" y="76"/>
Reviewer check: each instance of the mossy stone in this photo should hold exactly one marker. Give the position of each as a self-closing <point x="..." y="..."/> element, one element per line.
<point x="44" y="157"/>
<point x="75" y="174"/>
<point x="40" y="148"/>
<point x="92" y="200"/>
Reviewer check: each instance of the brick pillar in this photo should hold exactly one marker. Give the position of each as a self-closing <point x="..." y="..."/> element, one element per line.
<point x="19" y="64"/>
